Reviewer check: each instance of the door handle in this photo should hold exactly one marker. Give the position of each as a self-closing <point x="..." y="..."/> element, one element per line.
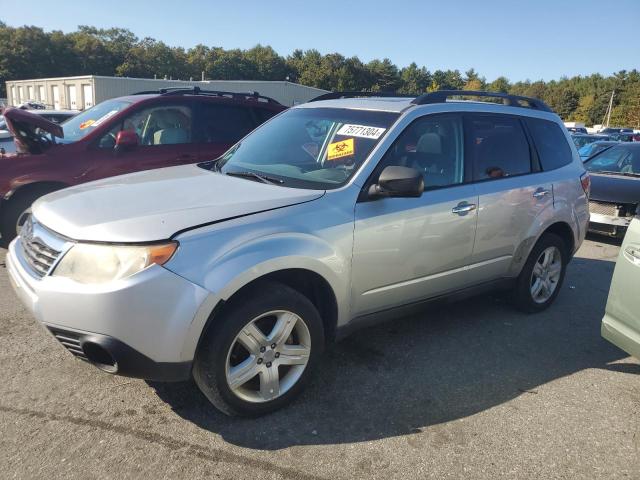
<point x="463" y="208"/>
<point x="541" y="193"/>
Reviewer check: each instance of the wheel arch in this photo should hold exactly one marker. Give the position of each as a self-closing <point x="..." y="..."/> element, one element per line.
<point x="45" y="186"/>
<point x="305" y="281"/>
<point x="561" y="228"/>
<point x="565" y="232"/>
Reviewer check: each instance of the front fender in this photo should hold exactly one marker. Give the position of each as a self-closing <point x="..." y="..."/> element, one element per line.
<point x="226" y="274"/>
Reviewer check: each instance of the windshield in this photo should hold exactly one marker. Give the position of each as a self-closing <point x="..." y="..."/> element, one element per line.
<point x="592" y="148"/>
<point x="582" y="140"/>
<point x="318" y="148"/>
<point x="79" y="126"/>
<point x="617" y="159"/>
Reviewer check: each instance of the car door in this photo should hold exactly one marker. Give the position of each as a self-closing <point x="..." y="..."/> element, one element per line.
<point x="220" y="125"/>
<point x="621" y="322"/>
<point x="165" y="138"/>
<point x="408" y="249"/>
<point x="512" y="191"/>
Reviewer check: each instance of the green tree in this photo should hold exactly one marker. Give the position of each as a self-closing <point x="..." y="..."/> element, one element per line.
<point x="414" y="79"/>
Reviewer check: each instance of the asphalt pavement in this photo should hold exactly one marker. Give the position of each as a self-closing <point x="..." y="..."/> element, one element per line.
<point x="468" y="390"/>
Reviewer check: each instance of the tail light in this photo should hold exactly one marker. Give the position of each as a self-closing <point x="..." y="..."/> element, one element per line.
<point x="585" y="180"/>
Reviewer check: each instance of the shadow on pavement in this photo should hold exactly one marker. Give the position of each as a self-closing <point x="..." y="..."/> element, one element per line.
<point x="446" y="363"/>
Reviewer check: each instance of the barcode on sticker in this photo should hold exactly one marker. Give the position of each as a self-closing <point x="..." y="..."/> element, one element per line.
<point x="361" y="131"/>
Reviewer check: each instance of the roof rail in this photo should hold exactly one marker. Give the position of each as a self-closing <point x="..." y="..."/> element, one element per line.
<point x="210" y="93"/>
<point x="338" y="95"/>
<point x="440" y="96"/>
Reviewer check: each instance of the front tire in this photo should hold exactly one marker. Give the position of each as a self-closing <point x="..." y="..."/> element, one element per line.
<point x="541" y="277"/>
<point x="16" y="212"/>
<point x="259" y="353"/>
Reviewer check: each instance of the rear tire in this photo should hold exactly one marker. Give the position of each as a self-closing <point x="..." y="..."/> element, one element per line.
<point x="260" y="352"/>
<point x="541" y="277"/>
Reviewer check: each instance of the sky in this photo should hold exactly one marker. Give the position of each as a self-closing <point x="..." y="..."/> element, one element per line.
<point x="521" y="40"/>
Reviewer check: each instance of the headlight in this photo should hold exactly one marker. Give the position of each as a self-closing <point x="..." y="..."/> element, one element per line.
<point x="96" y="263"/>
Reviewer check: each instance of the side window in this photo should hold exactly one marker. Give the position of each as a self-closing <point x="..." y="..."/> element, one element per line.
<point x="162" y="125"/>
<point x="263" y="114"/>
<point x="225" y="123"/>
<point x="550" y="142"/>
<point x="434" y="145"/>
<point x="497" y="146"/>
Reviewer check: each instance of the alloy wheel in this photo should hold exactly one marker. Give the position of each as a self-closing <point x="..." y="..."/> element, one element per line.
<point x="546" y="274"/>
<point x="22" y="218"/>
<point x="268" y="356"/>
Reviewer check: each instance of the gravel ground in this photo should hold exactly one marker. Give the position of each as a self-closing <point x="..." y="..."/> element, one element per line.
<point x="471" y="390"/>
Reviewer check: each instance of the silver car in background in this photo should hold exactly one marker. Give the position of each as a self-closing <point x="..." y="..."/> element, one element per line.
<point x="332" y="215"/>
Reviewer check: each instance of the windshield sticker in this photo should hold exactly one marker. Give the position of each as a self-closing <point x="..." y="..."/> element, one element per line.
<point x="343" y="148"/>
<point x="86" y="124"/>
<point x="104" y="117"/>
<point x="361" y="131"/>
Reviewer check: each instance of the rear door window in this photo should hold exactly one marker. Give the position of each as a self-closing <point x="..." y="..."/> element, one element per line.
<point x="550" y="142"/>
<point x="224" y="123"/>
<point x="497" y="146"/>
<point x="263" y="114"/>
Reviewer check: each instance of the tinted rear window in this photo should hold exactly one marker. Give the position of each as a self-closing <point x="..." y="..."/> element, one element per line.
<point x="497" y="146"/>
<point x="550" y="142"/>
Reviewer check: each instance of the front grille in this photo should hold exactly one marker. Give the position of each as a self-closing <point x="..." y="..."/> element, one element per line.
<point x="603" y="208"/>
<point x="39" y="256"/>
<point x="70" y="341"/>
<point x="40" y="247"/>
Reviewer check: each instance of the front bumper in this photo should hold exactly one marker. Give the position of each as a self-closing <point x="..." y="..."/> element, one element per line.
<point x="608" y="224"/>
<point x="142" y="322"/>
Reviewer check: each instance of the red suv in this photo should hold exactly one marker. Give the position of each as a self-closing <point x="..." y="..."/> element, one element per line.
<point x="127" y="134"/>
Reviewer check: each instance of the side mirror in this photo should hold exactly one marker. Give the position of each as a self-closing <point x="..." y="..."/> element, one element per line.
<point x="126" y="140"/>
<point x="397" y="181"/>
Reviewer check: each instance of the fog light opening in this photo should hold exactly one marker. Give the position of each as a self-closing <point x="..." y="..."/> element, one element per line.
<point x="100" y="357"/>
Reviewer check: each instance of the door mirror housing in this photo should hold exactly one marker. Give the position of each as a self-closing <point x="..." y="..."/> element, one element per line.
<point x="126" y="140"/>
<point x="398" y="181"/>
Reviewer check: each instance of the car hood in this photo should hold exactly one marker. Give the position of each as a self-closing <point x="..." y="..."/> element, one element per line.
<point x="156" y="204"/>
<point x="21" y="124"/>
<point x="615" y="188"/>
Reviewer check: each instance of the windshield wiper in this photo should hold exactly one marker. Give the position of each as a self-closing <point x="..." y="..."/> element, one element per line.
<point x="608" y="172"/>
<point x="257" y="176"/>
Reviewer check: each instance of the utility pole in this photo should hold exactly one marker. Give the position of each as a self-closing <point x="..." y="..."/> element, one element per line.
<point x="607" y="115"/>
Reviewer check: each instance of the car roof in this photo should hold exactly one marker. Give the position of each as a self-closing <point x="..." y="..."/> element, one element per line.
<point x="401" y="104"/>
<point x="140" y="97"/>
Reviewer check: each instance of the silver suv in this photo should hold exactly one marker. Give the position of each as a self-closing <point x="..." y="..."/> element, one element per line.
<point x="334" y="214"/>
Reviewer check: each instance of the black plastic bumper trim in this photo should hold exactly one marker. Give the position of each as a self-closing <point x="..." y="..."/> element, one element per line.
<point x="129" y="361"/>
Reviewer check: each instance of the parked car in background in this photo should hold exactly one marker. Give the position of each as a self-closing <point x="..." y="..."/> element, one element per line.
<point x="55" y="116"/>
<point x="336" y="213"/>
<point x="577" y="130"/>
<point x="621" y="322"/>
<point x="581" y="140"/>
<point x="609" y="130"/>
<point x="122" y="135"/>
<point x="590" y="149"/>
<point x="615" y="188"/>
<point x="625" y="137"/>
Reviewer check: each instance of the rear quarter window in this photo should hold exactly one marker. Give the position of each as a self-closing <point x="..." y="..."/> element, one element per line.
<point x="550" y="143"/>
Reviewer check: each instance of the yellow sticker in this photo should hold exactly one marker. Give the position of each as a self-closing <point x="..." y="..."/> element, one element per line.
<point x="86" y="124"/>
<point x="340" y="149"/>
